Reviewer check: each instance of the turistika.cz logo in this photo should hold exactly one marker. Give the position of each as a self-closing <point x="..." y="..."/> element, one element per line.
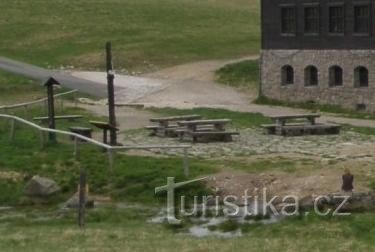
<point x="252" y="205"/>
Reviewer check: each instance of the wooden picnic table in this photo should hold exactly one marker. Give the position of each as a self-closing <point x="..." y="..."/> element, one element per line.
<point x="164" y="121"/>
<point x="164" y="126"/>
<point x="105" y="127"/>
<point x="282" y="119"/>
<point x="281" y="127"/>
<point x="206" y="130"/>
<point x="218" y="124"/>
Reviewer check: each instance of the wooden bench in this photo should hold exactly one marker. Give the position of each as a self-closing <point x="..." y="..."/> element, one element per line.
<point x="87" y="132"/>
<point x="208" y="136"/>
<point x="300" y="130"/>
<point x="282" y="120"/>
<point x="44" y="119"/>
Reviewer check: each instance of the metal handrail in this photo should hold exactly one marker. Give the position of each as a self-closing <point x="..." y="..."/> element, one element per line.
<point x="110" y="149"/>
<point x="19" y="105"/>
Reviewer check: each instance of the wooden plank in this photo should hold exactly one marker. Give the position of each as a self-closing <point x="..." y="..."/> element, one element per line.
<point x="176" y="118"/>
<point x="66" y="117"/>
<point x="202" y="133"/>
<point x="204" y="122"/>
<point x="297" y="116"/>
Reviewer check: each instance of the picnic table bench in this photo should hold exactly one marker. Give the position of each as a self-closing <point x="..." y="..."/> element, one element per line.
<point x="206" y="130"/>
<point x="105" y="127"/>
<point x="64" y="117"/>
<point x="165" y="127"/>
<point x="87" y="132"/>
<point x="282" y="120"/>
<point x="298" y="128"/>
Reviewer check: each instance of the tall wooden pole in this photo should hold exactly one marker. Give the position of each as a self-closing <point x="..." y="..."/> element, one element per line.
<point x="51" y="107"/>
<point x="111" y="96"/>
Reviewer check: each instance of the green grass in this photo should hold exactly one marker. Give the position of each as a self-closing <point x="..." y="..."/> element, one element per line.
<point x="146" y="34"/>
<point x="14" y="89"/>
<point x="239" y="119"/>
<point x="127" y="230"/>
<point x="133" y="179"/>
<point x="244" y="74"/>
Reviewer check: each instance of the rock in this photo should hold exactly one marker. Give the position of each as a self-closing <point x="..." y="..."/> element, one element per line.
<point x="73" y="202"/>
<point x="41" y="187"/>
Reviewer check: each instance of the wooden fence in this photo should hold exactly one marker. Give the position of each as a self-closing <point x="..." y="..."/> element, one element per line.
<point x="111" y="150"/>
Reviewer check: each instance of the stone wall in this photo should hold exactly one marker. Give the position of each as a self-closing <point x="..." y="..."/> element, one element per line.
<point x="347" y="96"/>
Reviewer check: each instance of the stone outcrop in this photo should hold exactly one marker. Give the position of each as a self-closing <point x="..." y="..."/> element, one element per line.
<point x="41" y="187"/>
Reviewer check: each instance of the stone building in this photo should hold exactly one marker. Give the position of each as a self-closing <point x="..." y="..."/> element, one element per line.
<point x="320" y="51"/>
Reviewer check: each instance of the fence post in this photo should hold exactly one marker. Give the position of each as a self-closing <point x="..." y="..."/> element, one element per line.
<point x="111" y="159"/>
<point x="82" y="198"/>
<point x="186" y="163"/>
<point x="41" y="132"/>
<point x="76" y="148"/>
<point x="12" y="129"/>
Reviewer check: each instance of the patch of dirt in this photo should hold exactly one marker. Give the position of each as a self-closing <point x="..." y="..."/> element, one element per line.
<point x="302" y="184"/>
<point x="11" y="175"/>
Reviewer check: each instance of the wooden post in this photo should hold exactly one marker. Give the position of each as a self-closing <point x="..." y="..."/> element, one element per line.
<point x="186" y="163"/>
<point x="51" y="107"/>
<point x="111" y="160"/>
<point x="76" y="148"/>
<point x="41" y="138"/>
<point x="12" y="129"/>
<point x="82" y="198"/>
<point x="111" y="96"/>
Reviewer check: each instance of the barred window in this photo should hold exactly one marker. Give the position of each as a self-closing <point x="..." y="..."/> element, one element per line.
<point x="336" y="19"/>
<point x="361" y="77"/>
<point x="288" y="20"/>
<point x="311" y="19"/>
<point x="362" y="19"/>
<point x="287" y="75"/>
<point x="335" y="76"/>
<point x="311" y="76"/>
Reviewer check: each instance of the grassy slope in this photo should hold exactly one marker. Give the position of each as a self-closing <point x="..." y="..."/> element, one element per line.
<point x="244" y="74"/>
<point x="127" y="230"/>
<point x="14" y="89"/>
<point x="144" y="32"/>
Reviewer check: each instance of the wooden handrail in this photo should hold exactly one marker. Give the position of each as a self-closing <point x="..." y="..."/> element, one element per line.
<point x="19" y="105"/>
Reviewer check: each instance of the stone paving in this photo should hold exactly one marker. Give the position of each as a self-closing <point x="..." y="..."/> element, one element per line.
<point x="347" y="145"/>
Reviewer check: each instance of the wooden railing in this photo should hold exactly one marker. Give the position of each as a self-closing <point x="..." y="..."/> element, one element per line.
<point x="111" y="150"/>
<point x="26" y="104"/>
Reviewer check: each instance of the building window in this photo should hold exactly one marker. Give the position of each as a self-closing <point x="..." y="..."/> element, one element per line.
<point x="336" y="19"/>
<point x="311" y="76"/>
<point x="288" y="20"/>
<point x="335" y="76"/>
<point x="287" y="75"/>
<point x="361" y="77"/>
<point x="362" y="19"/>
<point x="311" y="20"/>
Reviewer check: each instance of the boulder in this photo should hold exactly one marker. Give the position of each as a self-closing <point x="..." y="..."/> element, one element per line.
<point x="40" y="187"/>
